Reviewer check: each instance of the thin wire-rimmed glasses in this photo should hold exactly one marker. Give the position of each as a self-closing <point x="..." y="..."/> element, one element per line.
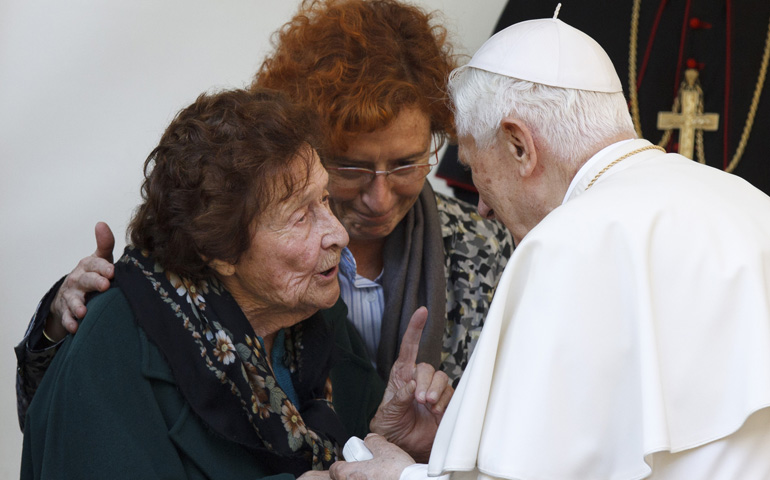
<point x="355" y="177"/>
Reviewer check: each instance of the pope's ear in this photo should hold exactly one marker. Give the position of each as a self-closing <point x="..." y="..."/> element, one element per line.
<point x="223" y="268"/>
<point x="519" y="143"/>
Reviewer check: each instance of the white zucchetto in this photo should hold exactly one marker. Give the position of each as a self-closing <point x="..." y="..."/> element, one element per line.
<point x="549" y="52"/>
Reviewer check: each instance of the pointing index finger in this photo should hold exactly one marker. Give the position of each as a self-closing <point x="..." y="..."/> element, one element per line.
<point x="410" y="343"/>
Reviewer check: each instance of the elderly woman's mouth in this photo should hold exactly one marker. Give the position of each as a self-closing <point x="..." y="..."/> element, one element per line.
<point x="331" y="272"/>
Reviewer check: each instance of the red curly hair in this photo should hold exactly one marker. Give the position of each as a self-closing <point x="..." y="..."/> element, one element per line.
<point x="358" y="63"/>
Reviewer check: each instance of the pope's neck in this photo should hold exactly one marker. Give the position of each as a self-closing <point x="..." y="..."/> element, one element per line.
<point x="574" y="169"/>
<point x="554" y="175"/>
<point x="369" y="256"/>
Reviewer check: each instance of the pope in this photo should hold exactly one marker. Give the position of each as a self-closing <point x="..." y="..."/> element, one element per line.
<point x="629" y="337"/>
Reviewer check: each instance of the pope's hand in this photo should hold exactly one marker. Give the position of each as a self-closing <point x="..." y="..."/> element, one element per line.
<point x="388" y="462"/>
<point x="415" y="398"/>
<point x="93" y="273"/>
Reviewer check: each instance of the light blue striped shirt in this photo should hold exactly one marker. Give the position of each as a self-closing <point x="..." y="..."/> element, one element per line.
<point x="365" y="300"/>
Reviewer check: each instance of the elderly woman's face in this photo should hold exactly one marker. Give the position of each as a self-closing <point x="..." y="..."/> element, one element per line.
<point x="292" y="263"/>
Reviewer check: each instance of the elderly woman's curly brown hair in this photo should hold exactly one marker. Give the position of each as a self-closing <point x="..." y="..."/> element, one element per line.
<point x="218" y="165"/>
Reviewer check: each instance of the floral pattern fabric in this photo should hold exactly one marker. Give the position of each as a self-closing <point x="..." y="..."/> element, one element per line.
<point x="220" y="366"/>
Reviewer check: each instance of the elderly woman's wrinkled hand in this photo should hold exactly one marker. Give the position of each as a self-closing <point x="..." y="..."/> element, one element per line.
<point x="415" y="398"/>
<point x="388" y="462"/>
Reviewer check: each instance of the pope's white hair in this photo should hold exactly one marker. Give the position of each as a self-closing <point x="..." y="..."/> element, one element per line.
<point x="569" y="123"/>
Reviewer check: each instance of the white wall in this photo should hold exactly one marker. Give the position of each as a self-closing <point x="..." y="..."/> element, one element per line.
<point x="86" y="88"/>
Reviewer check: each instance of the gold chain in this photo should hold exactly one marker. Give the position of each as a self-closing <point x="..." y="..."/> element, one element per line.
<point x="629" y="154"/>
<point x="634" y="95"/>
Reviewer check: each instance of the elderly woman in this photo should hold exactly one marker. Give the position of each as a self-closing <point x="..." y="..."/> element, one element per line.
<point x="374" y="71"/>
<point x="208" y="358"/>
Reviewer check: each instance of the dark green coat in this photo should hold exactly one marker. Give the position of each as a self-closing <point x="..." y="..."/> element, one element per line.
<point x="108" y="406"/>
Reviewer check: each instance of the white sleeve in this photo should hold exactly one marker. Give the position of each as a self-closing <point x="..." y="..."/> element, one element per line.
<point x="419" y="471"/>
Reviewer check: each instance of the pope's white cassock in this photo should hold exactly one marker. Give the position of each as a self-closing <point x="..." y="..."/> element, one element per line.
<point x="629" y="336"/>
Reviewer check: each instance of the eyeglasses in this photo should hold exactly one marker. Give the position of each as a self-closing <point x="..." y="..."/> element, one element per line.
<point x="354" y="177"/>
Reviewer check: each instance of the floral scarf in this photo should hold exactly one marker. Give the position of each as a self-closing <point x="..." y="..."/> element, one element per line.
<point x="221" y="369"/>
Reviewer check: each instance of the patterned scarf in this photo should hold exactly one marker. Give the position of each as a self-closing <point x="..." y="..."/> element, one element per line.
<point x="221" y="367"/>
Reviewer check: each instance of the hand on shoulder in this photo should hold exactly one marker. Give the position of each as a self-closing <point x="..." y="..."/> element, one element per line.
<point x="92" y="274"/>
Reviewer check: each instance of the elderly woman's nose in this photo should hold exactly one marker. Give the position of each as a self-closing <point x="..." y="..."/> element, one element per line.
<point x="335" y="234"/>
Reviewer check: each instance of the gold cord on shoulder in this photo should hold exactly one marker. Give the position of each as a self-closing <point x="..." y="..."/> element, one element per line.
<point x="615" y="162"/>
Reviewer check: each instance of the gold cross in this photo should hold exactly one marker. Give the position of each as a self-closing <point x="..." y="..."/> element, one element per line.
<point x="692" y="117"/>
